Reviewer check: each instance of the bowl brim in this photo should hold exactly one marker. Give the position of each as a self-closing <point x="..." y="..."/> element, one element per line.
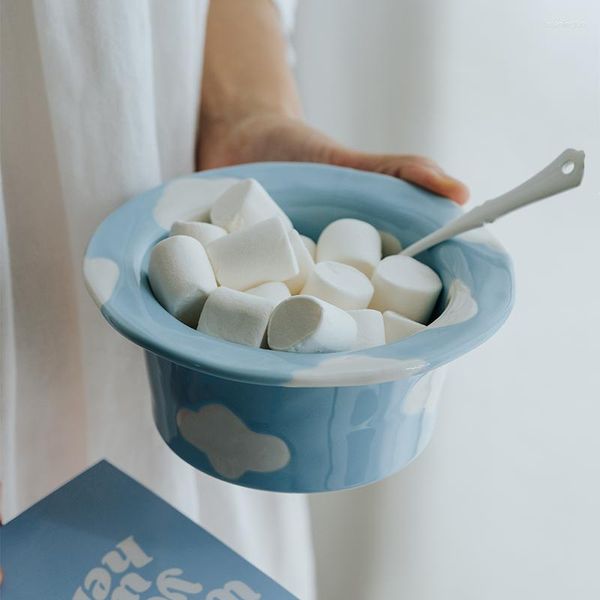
<point x="476" y="272"/>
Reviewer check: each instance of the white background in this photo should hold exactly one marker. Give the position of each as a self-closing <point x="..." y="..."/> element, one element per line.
<point x="505" y="502"/>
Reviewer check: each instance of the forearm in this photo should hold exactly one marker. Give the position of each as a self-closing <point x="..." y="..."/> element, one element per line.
<point x="251" y="111"/>
<point x="245" y="67"/>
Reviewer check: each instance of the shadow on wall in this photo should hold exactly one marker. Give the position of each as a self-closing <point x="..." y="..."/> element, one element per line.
<point x="493" y="94"/>
<point x="372" y="87"/>
<point x="359" y="63"/>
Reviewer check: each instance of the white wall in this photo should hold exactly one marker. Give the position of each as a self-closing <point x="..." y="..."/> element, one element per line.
<point x="505" y="503"/>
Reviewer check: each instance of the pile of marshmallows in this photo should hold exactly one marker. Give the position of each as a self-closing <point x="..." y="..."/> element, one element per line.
<point x="249" y="277"/>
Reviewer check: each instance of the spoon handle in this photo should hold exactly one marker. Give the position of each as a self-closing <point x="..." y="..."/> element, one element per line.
<point x="563" y="173"/>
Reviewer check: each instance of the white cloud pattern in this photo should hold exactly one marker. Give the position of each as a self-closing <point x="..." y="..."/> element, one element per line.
<point x="461" y="306"/>
<point x="231" y="447"/>
<point x="101" y="276"/>
<point x="356" y="369"/>
<point x="424" y="395"/>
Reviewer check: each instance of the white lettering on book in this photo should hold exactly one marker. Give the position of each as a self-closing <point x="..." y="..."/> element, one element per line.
<point x="128" y="553"/>
<point x="117" y="579"/>
<point x="169" y="585"/>
<point x="233" y="590"/>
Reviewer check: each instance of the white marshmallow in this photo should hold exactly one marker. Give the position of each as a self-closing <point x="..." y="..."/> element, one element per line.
<point x="308" y="324"/>
<point x="189" y="199"/>
<point x="390" y="244"/>
<point x="205" y="233"/>
<point x="406" y="286"/>
<point x="351" y="242"/>
<point x="181" y="277"/>
<point x="255" y="255"/>
<point x="245" y="204"/>
<point x="276" y="291"/>
<point x="340" y="284"/>
<point x="305" y="262"/>
<point x="398" y="327"/>
<point x="370" y="330"/>
<point x="311" y="246"/>
<point x="236" y="317"/>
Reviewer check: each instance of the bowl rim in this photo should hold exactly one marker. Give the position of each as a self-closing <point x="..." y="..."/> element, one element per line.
<point x="409" y="357"/>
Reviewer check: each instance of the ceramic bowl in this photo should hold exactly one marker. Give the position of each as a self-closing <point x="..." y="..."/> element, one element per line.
<point x="298" y="422"/>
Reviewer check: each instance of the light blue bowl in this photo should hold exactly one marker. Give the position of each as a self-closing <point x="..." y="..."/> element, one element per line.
<point x="298" y="422"/>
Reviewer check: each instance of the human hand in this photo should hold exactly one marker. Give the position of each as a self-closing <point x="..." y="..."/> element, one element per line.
<point x="251" y="110"/>
<point x="274" y="137"/>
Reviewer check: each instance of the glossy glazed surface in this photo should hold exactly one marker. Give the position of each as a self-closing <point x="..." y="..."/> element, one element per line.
<point x="298" y="422"/>
<point x="313" y="196"/>
<point x="292" y="439"/>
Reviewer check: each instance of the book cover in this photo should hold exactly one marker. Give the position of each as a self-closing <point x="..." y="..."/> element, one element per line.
<point x="105" y="536"/>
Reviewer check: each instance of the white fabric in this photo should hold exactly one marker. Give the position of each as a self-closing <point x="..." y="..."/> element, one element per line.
<point x="99" y="102"/>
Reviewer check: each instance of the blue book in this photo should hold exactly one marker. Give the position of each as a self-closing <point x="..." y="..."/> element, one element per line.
<point x="104" y="536"/>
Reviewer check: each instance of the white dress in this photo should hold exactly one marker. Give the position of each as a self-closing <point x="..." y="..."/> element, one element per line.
<point x="100" y="102"/>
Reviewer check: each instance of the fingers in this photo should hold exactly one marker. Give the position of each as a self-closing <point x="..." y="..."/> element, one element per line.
<point x="419" y="170"/>
<point x="435" y="180"/>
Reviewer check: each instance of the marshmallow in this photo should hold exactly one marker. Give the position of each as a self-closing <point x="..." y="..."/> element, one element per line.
<point x="406" y="286"/>
<point x="181" y="277"/>
<point x="205" y="233"/>
<point x="398" y="327"/>
<point x="308" y="324"/>
<point x="245" y="204"/>
<point x="370" y="330"/>
<point x="255" y="255"/>
<point x="189" y="199"/>
<point x="310" y="246"/>
<point x="276" y="291"/>
<point x="390" y="244"/>
<point x="305" y="262"/>
<point x="236" y="317"/>
<point x="351" y="242"/>
<point x="340" y="284"/>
